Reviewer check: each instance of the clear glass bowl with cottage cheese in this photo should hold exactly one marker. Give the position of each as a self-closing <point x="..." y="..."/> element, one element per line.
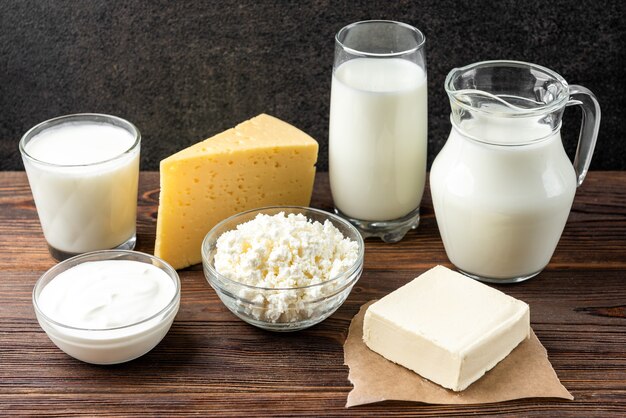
<point x="109" y="306"/>
<point x="283" y="268"/>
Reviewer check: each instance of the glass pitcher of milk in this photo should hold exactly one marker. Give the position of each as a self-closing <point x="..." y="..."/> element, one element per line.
<point x="503" y="186"/>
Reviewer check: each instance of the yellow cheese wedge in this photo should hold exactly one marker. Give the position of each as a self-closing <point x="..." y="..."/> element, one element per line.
<point x="261" y="162"/>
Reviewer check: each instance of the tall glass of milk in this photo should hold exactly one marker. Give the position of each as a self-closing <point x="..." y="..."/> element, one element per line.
<point x="83" y="170"/>
<point x="502" y="186"/>
<point x="378" y="127"/>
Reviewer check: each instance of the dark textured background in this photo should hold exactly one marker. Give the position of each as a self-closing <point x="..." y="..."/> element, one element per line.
<point x="185" y="70"/>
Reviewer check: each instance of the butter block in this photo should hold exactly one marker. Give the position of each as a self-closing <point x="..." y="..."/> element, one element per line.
<point x="446" y="327"/>
<point x="261" y="162"/>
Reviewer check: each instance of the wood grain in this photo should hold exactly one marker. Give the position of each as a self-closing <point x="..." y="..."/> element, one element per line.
<point x="213" y="364"/>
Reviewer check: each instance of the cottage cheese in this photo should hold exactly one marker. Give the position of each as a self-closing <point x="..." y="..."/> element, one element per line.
<point x="291" y="258"/>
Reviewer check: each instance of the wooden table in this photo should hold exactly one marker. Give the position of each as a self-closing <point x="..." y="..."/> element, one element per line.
<point x="211" y="363"/>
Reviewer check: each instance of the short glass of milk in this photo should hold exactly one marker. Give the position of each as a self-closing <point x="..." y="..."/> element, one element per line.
<point x="378" y="127"/>
<point x="83" y="171"/>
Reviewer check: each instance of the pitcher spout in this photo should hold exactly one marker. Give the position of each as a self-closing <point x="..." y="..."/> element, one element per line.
<point x="511" y="87"/>
<point x="524" y="98"/>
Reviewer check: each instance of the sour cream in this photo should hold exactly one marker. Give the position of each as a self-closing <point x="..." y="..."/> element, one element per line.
<point x="108" y="311"/>
<point x="106" y="294"/>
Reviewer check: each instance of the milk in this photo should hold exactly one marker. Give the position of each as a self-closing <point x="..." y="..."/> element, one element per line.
<point x="377" y="138"/>
<point x="501" y="209"/>
<point x="84" y="176"/>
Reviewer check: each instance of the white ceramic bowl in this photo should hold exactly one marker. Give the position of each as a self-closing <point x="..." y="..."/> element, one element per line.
<point x="250" y="303"/>
<point x="108" y="345"/>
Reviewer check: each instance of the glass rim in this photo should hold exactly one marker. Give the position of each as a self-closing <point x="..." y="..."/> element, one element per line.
<point x="453" y="92"/>
<point x="80" y="117"/>
<point x="108" y="255"/>
<point x="421" y="39"/>
<point x="211" y="239"/>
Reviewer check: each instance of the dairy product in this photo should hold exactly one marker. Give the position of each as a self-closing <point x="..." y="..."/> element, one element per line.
<point x="448" y="328"/>
<point x="261" y="162"/>
<point x="107" y="311"/>
<point x="79" y="143"/>
<point x="106" y="294"/>
<point x="501" y="209"/>
<point x="285" y="252"/>
<point x="84" y="176"/>
<point x="377" y="138"/>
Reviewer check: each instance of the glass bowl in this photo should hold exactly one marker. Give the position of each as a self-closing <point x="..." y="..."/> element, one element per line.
<point x="282" y="309"/>
<point x="108" y="345"/>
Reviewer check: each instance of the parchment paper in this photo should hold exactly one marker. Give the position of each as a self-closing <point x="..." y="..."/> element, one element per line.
<point x="525" y="373"/>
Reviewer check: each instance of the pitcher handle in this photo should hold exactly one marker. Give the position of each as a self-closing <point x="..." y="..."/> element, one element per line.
<point x="589" y="127"/>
